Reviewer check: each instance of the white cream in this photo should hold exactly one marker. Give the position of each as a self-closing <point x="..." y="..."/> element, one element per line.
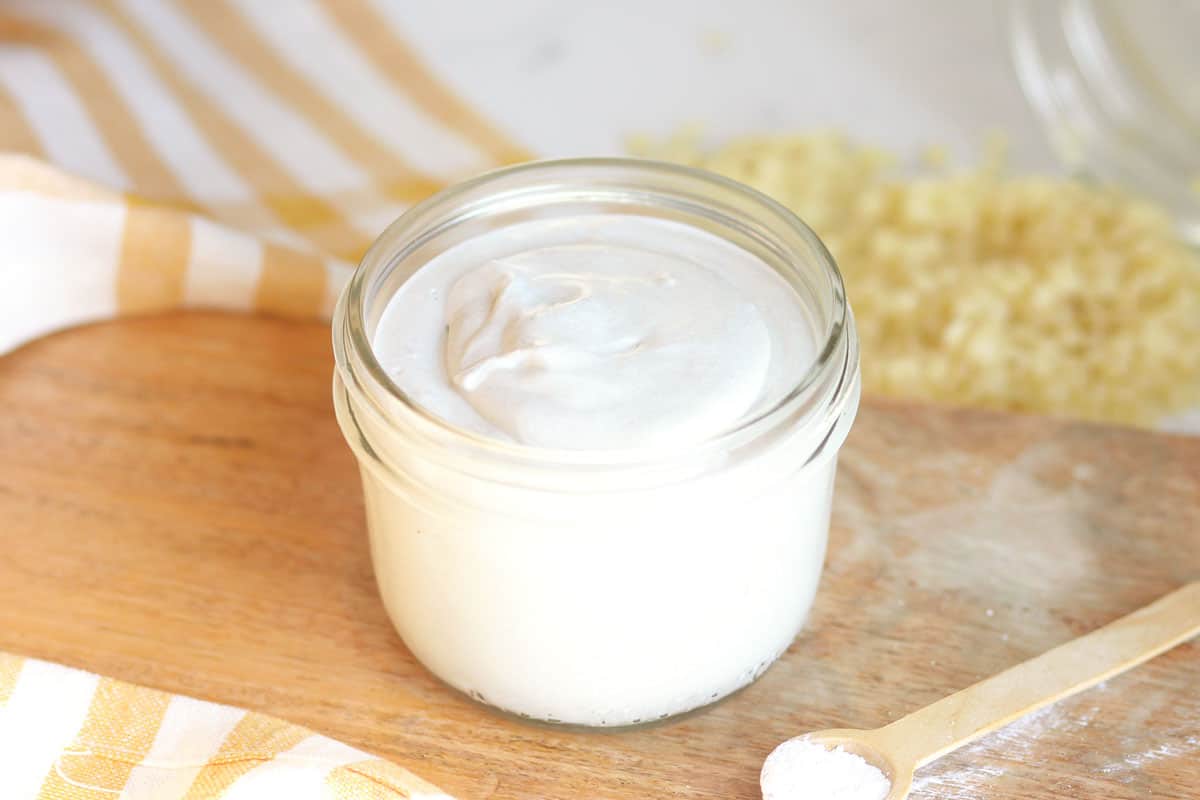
<point x="594" y="346"/>
<point x="595" y="332"/>
<point x="596" y="597"/>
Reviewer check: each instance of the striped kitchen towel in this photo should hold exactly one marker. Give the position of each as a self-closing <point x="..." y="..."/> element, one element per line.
<point x="70" y="735"/>
<point x="230" y="154"/>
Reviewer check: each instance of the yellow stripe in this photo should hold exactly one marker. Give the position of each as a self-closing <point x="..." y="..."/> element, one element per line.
<point x="376" y="778"/>
<point x="10" y="670"/>
<point x="16" y="134"/>
<point x="103" y="104"/>
<point x="296" y="208"/>
<point x="397" y="62"/>
<point x="257" y="738"/>
<point x="292" y="284"/>
<point x="225" y="26"/>
<point x="155" y="249"/>
<point x="116" y="735"/>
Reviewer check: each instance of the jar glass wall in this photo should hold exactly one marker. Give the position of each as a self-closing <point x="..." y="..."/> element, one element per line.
<point x="598" y="587"/>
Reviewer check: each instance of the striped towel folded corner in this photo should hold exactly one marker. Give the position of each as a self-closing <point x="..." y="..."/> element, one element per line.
<point x="102" y="738"/>
<point x="211" y="153"/>
<point x="111" y="254"/>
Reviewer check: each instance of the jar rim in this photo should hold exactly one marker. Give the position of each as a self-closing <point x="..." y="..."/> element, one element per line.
<point x="834" y="368"/>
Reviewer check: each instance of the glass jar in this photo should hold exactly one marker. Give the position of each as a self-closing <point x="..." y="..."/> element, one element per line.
<point x="597" y="588"/>
<point x="1117" y="86"/>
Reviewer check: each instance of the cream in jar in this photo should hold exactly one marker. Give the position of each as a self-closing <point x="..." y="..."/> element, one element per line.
<point x="594" y="332"/>
<point x="573" y="515"/>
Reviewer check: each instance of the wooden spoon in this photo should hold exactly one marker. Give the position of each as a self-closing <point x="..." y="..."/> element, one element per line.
<point x="907" y="744"/>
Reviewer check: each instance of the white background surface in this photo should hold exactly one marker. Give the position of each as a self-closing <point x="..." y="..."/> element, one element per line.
<point x="576" y="78"/>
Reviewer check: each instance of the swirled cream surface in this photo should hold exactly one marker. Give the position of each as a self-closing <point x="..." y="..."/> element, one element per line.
<point x="595" y="332"/>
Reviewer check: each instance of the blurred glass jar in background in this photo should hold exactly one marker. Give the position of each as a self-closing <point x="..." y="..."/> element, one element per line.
<point x="1117" y="85"/>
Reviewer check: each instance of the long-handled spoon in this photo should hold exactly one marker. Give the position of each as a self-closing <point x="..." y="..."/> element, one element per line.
<point x="907" y="744"/>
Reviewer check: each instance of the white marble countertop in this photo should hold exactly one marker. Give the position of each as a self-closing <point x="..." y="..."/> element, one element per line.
<point x="571" y="78"/>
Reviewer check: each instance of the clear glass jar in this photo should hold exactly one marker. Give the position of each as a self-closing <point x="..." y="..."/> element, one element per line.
<point x="603" y="588"/>
<point x="1117" y="85"/>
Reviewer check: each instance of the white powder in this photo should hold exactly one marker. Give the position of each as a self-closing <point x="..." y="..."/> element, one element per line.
<point x="800" y="769"/>
<point x="1166" y="750"/>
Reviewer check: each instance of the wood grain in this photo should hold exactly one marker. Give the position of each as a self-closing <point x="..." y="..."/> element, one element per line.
<point x="177" y="509"/>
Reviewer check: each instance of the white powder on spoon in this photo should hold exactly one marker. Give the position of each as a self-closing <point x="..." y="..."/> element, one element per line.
<point x="804" y="770"/>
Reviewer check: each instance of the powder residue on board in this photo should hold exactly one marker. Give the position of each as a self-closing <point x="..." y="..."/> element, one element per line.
<point x="1133" y="762"/>
<point x="1017" y="742"/>
<point x="1029" y="518"/>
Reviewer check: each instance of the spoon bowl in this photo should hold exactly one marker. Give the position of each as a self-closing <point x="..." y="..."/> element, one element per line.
<point x="871" y="746"/>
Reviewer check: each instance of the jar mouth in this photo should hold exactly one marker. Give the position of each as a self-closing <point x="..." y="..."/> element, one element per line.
<point x="825" y="385"/>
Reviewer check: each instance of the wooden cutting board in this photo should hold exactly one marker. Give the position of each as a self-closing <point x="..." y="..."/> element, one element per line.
<point x="178" y="509"/>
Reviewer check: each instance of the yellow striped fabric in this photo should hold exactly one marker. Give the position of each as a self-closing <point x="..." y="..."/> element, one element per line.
<point x="210" y="153"/>
<point x="70" y="735"/>
<point x="230" y="154"/>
